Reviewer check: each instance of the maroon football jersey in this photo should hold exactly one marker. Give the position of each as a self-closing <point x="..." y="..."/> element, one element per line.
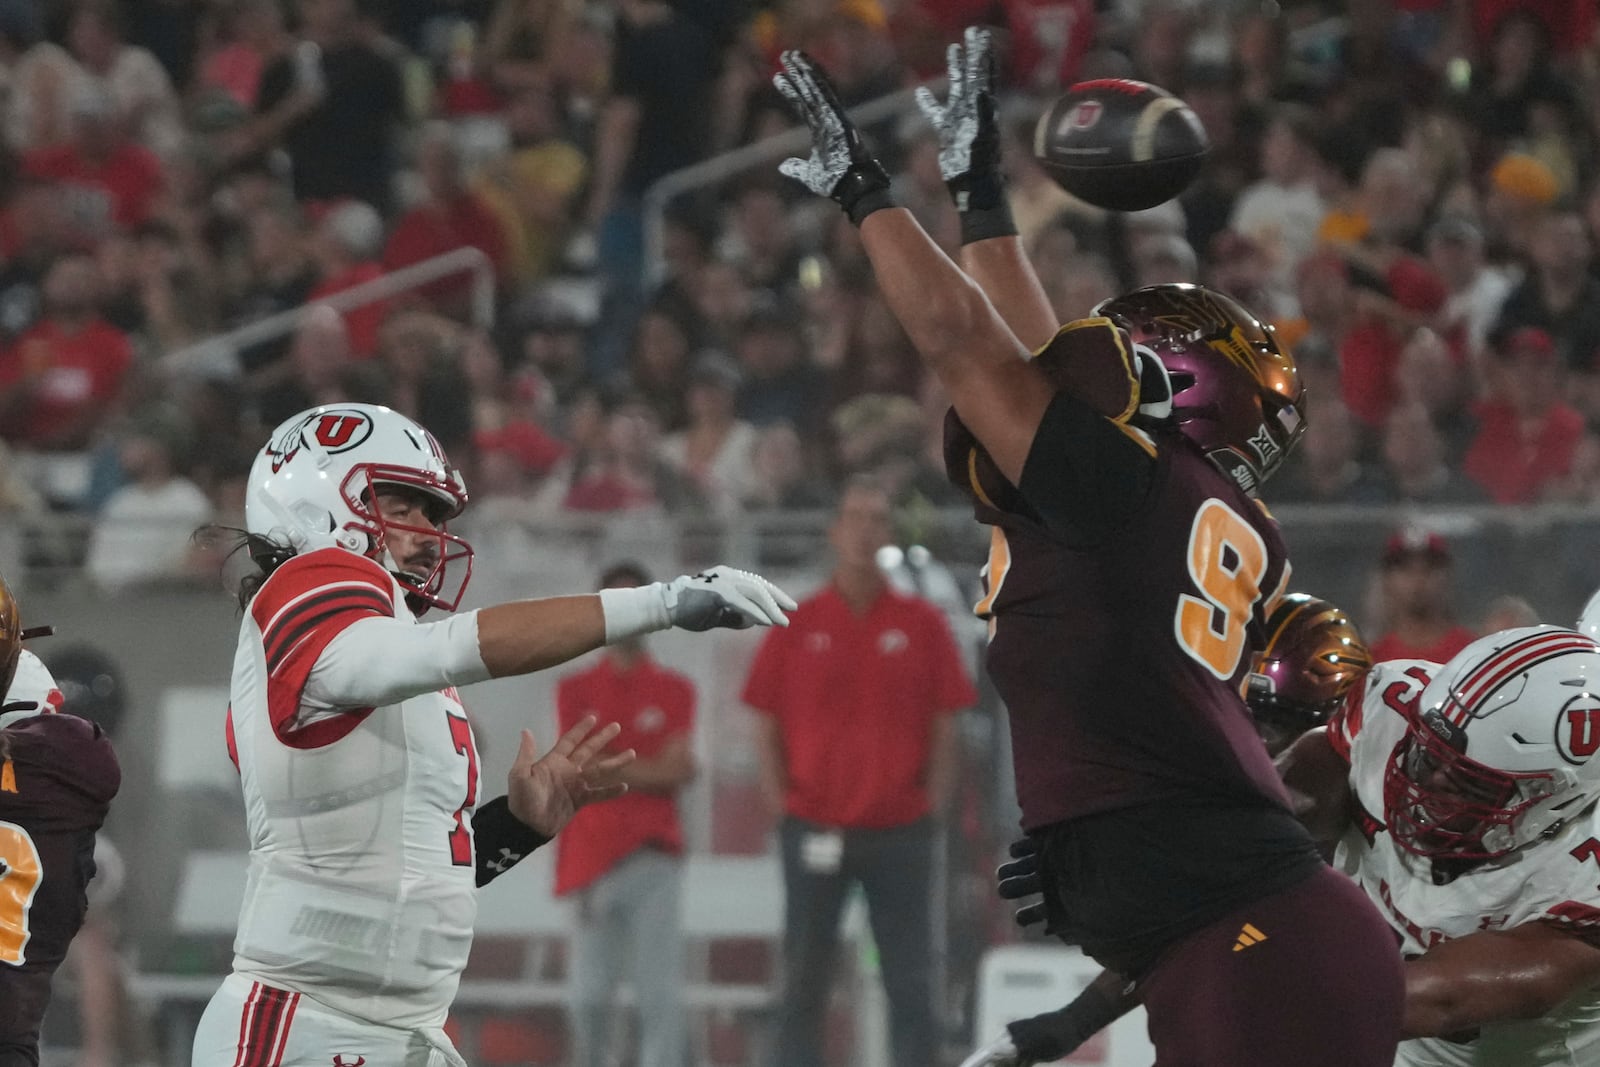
<point x="53" y="798"/>
<point x="1120" y="661"/>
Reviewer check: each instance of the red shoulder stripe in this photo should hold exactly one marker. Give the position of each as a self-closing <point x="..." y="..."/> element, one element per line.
<point x="306" y="574"/>
<point x="324" y="605"/>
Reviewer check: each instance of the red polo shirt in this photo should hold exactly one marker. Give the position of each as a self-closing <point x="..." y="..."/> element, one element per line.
<point x="77" y="372"/>
<point x="434" y="229"/>
<point x="1512" y="464"/>
<point x="122" y="188"/>
<point x="855" y="698"/>
<point x="652" y="705"/>
<point x="1389" y="647"/>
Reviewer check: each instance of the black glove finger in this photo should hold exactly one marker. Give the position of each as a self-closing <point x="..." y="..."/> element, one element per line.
<point x="1031" y="915"/>
<point x="1023" y="846"/>
<point x="1017" y="868"/>
<point x="1019" y="887"/>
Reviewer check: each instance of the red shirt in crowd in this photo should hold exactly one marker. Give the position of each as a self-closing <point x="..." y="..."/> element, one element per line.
<point x="433" y="229"/>
<point x="855" y="698"/>
<point x="78" y="373"/>
<point x="652" y="705"/>
<point x="362" y="323"/>
<point x="1390" y="646"/>
<point x="1512" y="464"/>
<point x="122" y="188"/>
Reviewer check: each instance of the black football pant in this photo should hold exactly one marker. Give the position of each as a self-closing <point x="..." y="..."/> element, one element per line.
<point x="895" y="870"/>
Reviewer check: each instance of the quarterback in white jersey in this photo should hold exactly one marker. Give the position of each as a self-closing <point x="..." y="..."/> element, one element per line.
<point x="357" y="760"/>
<point x="1469" y="817"/>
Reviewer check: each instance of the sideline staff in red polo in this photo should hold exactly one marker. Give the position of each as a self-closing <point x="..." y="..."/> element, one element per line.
<point x="625" y="860"/>
<point x="857" y="744"/>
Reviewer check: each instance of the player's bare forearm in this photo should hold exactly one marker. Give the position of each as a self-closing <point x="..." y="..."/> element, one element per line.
<point x="1318" y="781"/>
<point x="998" y="394"/>
<point x="1496" y="976"/>
<point x="524" y="636"/>
<point x="1002" y="270"/>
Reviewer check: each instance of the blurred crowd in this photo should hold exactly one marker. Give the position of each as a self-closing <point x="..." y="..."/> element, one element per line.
<point x="1408" y="189"/>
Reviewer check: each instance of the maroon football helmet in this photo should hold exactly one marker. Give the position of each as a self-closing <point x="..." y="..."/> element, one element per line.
<point x="1236" y="392"/>
<point x="1314" y="658"/>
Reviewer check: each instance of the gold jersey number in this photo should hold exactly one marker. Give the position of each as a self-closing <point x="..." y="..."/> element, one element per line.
<point x="20" y="875"/>
<point x="1228" y="562"/>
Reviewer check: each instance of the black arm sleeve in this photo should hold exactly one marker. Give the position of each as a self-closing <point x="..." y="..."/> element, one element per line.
<point x="1086" y="474"/>
<point x="502" y="840"/>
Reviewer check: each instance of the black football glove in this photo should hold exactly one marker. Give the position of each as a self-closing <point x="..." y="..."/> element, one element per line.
<point x="969" y="133"/>
<point x="1019" y="879"/>
<point x="840" y="166"/>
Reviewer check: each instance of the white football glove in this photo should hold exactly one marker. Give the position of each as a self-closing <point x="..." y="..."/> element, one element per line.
<point x="971" y="72"/>
<point x="1001" y="1052"/>
<point x="725" y="597"/>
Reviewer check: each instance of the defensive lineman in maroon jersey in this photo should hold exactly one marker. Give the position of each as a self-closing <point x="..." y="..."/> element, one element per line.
<point x="58" y="774"/>
<point x="1130" y="573"/>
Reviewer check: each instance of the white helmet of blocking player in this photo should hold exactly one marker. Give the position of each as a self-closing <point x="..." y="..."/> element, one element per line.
<point x="314" y="486"/>
<point x="1500" y="746"/>
<point x="33" y="692"/>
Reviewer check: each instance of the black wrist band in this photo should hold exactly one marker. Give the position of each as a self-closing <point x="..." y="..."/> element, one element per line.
<point x="502" y="840"/>
<point x="978" y="190"/>
<point x="980" y="225"/>
<point x="868" y="202"/>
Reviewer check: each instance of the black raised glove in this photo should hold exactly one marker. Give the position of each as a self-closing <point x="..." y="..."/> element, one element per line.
<point x="969" y="138"/>
<point x="840" y="166"/>
<point x="1019" y="879"/>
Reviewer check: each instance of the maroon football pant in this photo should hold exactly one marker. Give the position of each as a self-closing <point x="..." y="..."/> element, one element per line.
<point x="1307" y="977"/>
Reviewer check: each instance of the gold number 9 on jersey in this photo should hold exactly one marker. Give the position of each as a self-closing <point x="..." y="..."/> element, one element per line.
<point x="20" y="874"/>
<point x="1228" y="561"/>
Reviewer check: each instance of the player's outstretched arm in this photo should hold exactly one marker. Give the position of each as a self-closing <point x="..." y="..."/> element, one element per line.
<point x="997" y="393"/>
<point x="1498" y="975"/>
<point x="1054" y="1034"/>
<point x="531" y="635"/>
<point x="969" y="160"/>
<point x="381" y="660"/>
<point x="1318" y="780"/>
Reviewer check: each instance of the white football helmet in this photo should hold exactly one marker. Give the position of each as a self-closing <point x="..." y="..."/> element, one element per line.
<point x="33" y="692"/>
<point x="313" y="486"/>
<point x="1499" y="748"/>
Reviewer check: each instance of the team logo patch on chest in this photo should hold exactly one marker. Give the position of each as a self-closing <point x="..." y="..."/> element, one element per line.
<point x="650" y="720"/>
<point x="892" y="642"/>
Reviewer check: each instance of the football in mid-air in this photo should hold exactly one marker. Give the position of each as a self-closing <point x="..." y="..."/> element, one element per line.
<point x="1120" y="144"/>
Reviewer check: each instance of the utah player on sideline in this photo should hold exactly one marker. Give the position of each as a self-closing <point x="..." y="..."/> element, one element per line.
<point x="357" y="762"/>
<point x="58" y="775"/>
<point x="1130" y="576"/>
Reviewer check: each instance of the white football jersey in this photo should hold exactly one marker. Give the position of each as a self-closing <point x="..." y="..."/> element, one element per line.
<point x="361" y="890"/>
<point x="1556" y="880"/>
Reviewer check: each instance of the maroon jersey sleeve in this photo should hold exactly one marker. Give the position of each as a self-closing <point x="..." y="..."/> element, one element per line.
<point x="62" y="777"/>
